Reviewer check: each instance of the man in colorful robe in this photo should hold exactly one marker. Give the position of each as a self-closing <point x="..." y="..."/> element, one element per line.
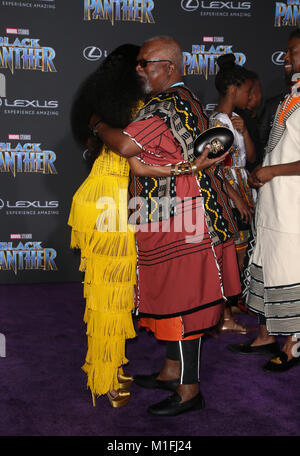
<point x="184" y="270"/>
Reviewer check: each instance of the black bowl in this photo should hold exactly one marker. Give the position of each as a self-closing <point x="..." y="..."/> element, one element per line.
<point x="219" y="138"/>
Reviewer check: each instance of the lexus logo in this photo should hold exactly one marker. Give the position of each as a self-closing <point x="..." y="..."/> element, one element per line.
<point x="189" y="5"/>
<point x="29" y="204"/>
<point x="192" y="5"/>
<point x="51" y="104"/>
<point x="278" y="58"/>
<point x="93" y="53"/>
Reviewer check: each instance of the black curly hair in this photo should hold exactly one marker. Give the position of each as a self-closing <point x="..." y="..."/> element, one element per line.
<point x="230" y="74"/>
<point x="294" y="34"/>
<point x="112" y="92"/>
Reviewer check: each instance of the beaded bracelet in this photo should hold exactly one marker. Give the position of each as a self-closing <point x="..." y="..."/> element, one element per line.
<point x="181" y="168"/>
<point x="194" y="169"/>
<point x="185" y="168"/>
<point x="174" y="170"/>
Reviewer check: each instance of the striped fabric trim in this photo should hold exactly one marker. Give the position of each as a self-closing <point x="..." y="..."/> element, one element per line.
<point x="283" y="310"/>
<point x="257" y="272"/>
<point x="174" y="244"/>
<point x="283" y="304"/>
<point x="256" y="304"/>
<point x="181" y="250"/>
<point x="280" y="305"/>
<point x="282" y="294"/>
<point x="284" y="327"/>
<point x="200" y="331"/>
<point x="186" y="312"/>
<point x="257" y="288"/>
<point x="246" y="275"/>
<point x="256" y="301"/>
<point x="147" y="132"/>
<point x="181" y="362"/>
<point x="286" y="107"/>
<point x="199" y="350"/>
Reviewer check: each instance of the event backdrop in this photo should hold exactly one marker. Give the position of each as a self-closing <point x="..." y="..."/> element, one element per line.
<point x="47" y="47"/>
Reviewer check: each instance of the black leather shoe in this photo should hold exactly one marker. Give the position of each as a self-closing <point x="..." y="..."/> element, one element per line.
<point x="151" y="382"/>
<point x="172" y="406"/>
<point x="246" y="349"/>
<point x="281" y="363"/>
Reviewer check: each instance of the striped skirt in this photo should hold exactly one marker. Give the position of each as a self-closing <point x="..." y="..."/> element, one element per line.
<point x="275" y="281"/>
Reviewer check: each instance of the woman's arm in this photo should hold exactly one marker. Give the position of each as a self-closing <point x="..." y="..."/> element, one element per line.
<point x="114" y="138"/>
<point x="139" y="168"/>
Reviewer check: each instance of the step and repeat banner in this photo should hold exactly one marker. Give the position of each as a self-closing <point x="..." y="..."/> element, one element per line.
<point x="47" y="47"/>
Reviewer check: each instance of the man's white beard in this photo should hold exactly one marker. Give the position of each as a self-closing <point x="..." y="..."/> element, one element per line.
<point x="147" y="87"/>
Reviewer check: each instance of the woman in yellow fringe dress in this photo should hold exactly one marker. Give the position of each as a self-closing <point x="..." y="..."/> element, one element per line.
<point x="98" y="218"/>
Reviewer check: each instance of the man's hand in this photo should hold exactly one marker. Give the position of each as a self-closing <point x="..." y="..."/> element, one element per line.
<point x="265" y="174"/>
<point x="203" y="161"/>
<point x="238" y="123"/>
<point x="253" y="181"/>
<point x="260" y="176"/>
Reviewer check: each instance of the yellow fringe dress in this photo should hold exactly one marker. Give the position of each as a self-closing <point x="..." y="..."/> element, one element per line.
<point x="98" y="219"/>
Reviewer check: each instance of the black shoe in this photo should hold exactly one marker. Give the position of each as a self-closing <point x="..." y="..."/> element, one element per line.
<point x="246" y="349"/>
<point x="172" y="407"/>
<point x="281" y="363"/>
<point x="151" y="382"/>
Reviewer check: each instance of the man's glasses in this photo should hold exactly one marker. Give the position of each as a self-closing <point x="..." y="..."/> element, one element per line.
<point x="143" y="63"/>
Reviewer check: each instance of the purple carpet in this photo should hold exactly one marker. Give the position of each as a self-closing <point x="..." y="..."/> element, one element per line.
<point x="43" y="389"/>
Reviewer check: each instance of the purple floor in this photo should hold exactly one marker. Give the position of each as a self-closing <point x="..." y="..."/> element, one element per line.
<point x="43" y="390"/>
